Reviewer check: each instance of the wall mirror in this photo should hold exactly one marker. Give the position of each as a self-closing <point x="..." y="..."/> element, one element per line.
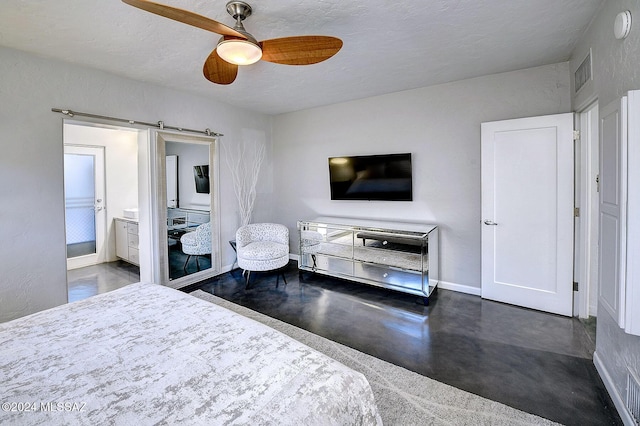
<point x="187" y="209"/>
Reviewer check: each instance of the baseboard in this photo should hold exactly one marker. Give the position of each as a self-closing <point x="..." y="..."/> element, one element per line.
<point x="476" y="291"/>
<point x="617" y="399"/>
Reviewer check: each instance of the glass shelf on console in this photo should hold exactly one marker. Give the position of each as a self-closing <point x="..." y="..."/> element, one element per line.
<point x="395" y="255"/>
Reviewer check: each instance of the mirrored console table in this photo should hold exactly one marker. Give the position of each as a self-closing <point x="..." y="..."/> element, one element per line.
<point x="180" y="221"/>
<point x="394" y="255"/>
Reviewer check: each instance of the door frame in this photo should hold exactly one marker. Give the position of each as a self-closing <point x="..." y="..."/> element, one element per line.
<point x="100" y="178"/>
<point x="144" y="185"/>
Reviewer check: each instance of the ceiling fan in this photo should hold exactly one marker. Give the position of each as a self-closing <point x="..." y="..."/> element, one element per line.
<point x="238" y="47"/>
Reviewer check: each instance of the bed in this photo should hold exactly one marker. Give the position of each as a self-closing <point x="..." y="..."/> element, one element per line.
<point x="148" y="354"/>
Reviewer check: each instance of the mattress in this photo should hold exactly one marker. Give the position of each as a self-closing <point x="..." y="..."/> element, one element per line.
<point x="147" y="354"/>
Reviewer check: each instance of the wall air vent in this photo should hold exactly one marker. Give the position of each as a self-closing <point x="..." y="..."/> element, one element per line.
<point x="583" y="73"/>
<point x="633" y="397"/>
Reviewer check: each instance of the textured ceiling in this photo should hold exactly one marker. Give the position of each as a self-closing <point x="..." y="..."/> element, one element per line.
<point x="389" y="46"/>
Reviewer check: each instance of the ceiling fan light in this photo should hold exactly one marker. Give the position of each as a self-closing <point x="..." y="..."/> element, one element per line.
<point x="239" y="52"/>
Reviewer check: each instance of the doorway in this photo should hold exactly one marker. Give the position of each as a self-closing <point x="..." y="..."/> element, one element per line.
<point x="101" y="182"/>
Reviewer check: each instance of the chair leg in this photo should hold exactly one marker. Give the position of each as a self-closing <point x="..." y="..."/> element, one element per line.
<point x="197" y="264"/>
<point x="185" y="263"/>
<point x="246" y="282"/>
<point x="280" y="272"/>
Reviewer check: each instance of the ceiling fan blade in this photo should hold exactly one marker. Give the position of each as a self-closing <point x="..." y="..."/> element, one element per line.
<point x="218" y="70"/>
<point x="185" y="16"/>
<point x="300" y="50"/>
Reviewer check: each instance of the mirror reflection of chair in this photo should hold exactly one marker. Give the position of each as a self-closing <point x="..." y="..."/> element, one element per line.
<point x="310" y="243"/>
<point x="197" y="243"/>
<point x="262" y="247"/>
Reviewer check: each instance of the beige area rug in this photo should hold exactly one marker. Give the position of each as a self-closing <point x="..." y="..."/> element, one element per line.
<point x="403" y="397"/>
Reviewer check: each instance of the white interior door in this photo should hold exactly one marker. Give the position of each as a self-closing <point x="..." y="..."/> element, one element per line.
<point x="613" y="180"/>
<point x="632" y="283"/>
<point x="85" y="205"/>
<point x="527" y="212"/>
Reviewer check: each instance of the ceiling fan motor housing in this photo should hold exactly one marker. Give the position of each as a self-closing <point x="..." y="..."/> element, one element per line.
<point x="239" y="10"/>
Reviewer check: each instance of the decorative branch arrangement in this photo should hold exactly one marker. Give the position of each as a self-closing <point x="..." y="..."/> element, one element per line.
<point x="244" y="160"/>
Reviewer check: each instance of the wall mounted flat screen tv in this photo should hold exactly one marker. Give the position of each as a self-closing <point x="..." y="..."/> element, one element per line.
<point x="371" y="177"/>
<point x="201" y="175"/>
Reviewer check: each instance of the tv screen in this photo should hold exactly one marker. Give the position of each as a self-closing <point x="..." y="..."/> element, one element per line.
<point x="371" y="177"/>
<point x="201" y="175"/>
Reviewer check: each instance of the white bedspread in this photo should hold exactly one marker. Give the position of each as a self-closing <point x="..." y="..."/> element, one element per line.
<point x="147" y="354"/>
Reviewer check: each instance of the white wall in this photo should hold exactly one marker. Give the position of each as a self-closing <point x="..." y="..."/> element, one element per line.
<point x="32" y="259"/>
<point x="189" y="155"/>
<point x="440" y="126"/>
<point x="616" y="70"/>
<point x="121" y="169"/>
<point x="615" y="62"/>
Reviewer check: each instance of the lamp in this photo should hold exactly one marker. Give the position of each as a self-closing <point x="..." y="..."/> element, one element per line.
<point x="239" y="52"/>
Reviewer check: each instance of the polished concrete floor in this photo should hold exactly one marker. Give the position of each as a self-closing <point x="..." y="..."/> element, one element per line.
<point x="536" y="362"/>
<point x="97" y="279"/>
<point x="180" y="267"/>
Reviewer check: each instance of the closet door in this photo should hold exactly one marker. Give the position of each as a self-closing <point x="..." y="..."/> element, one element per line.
<point x="632" y="290"/>
<point x="613" y="178"/>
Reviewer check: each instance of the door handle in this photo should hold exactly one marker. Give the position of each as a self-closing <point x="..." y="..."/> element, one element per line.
<point x="489" y="222"/>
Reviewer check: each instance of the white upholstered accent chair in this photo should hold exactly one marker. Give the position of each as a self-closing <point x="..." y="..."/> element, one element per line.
<point x="197" y="243"/>
<point x="262" y="247"/>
